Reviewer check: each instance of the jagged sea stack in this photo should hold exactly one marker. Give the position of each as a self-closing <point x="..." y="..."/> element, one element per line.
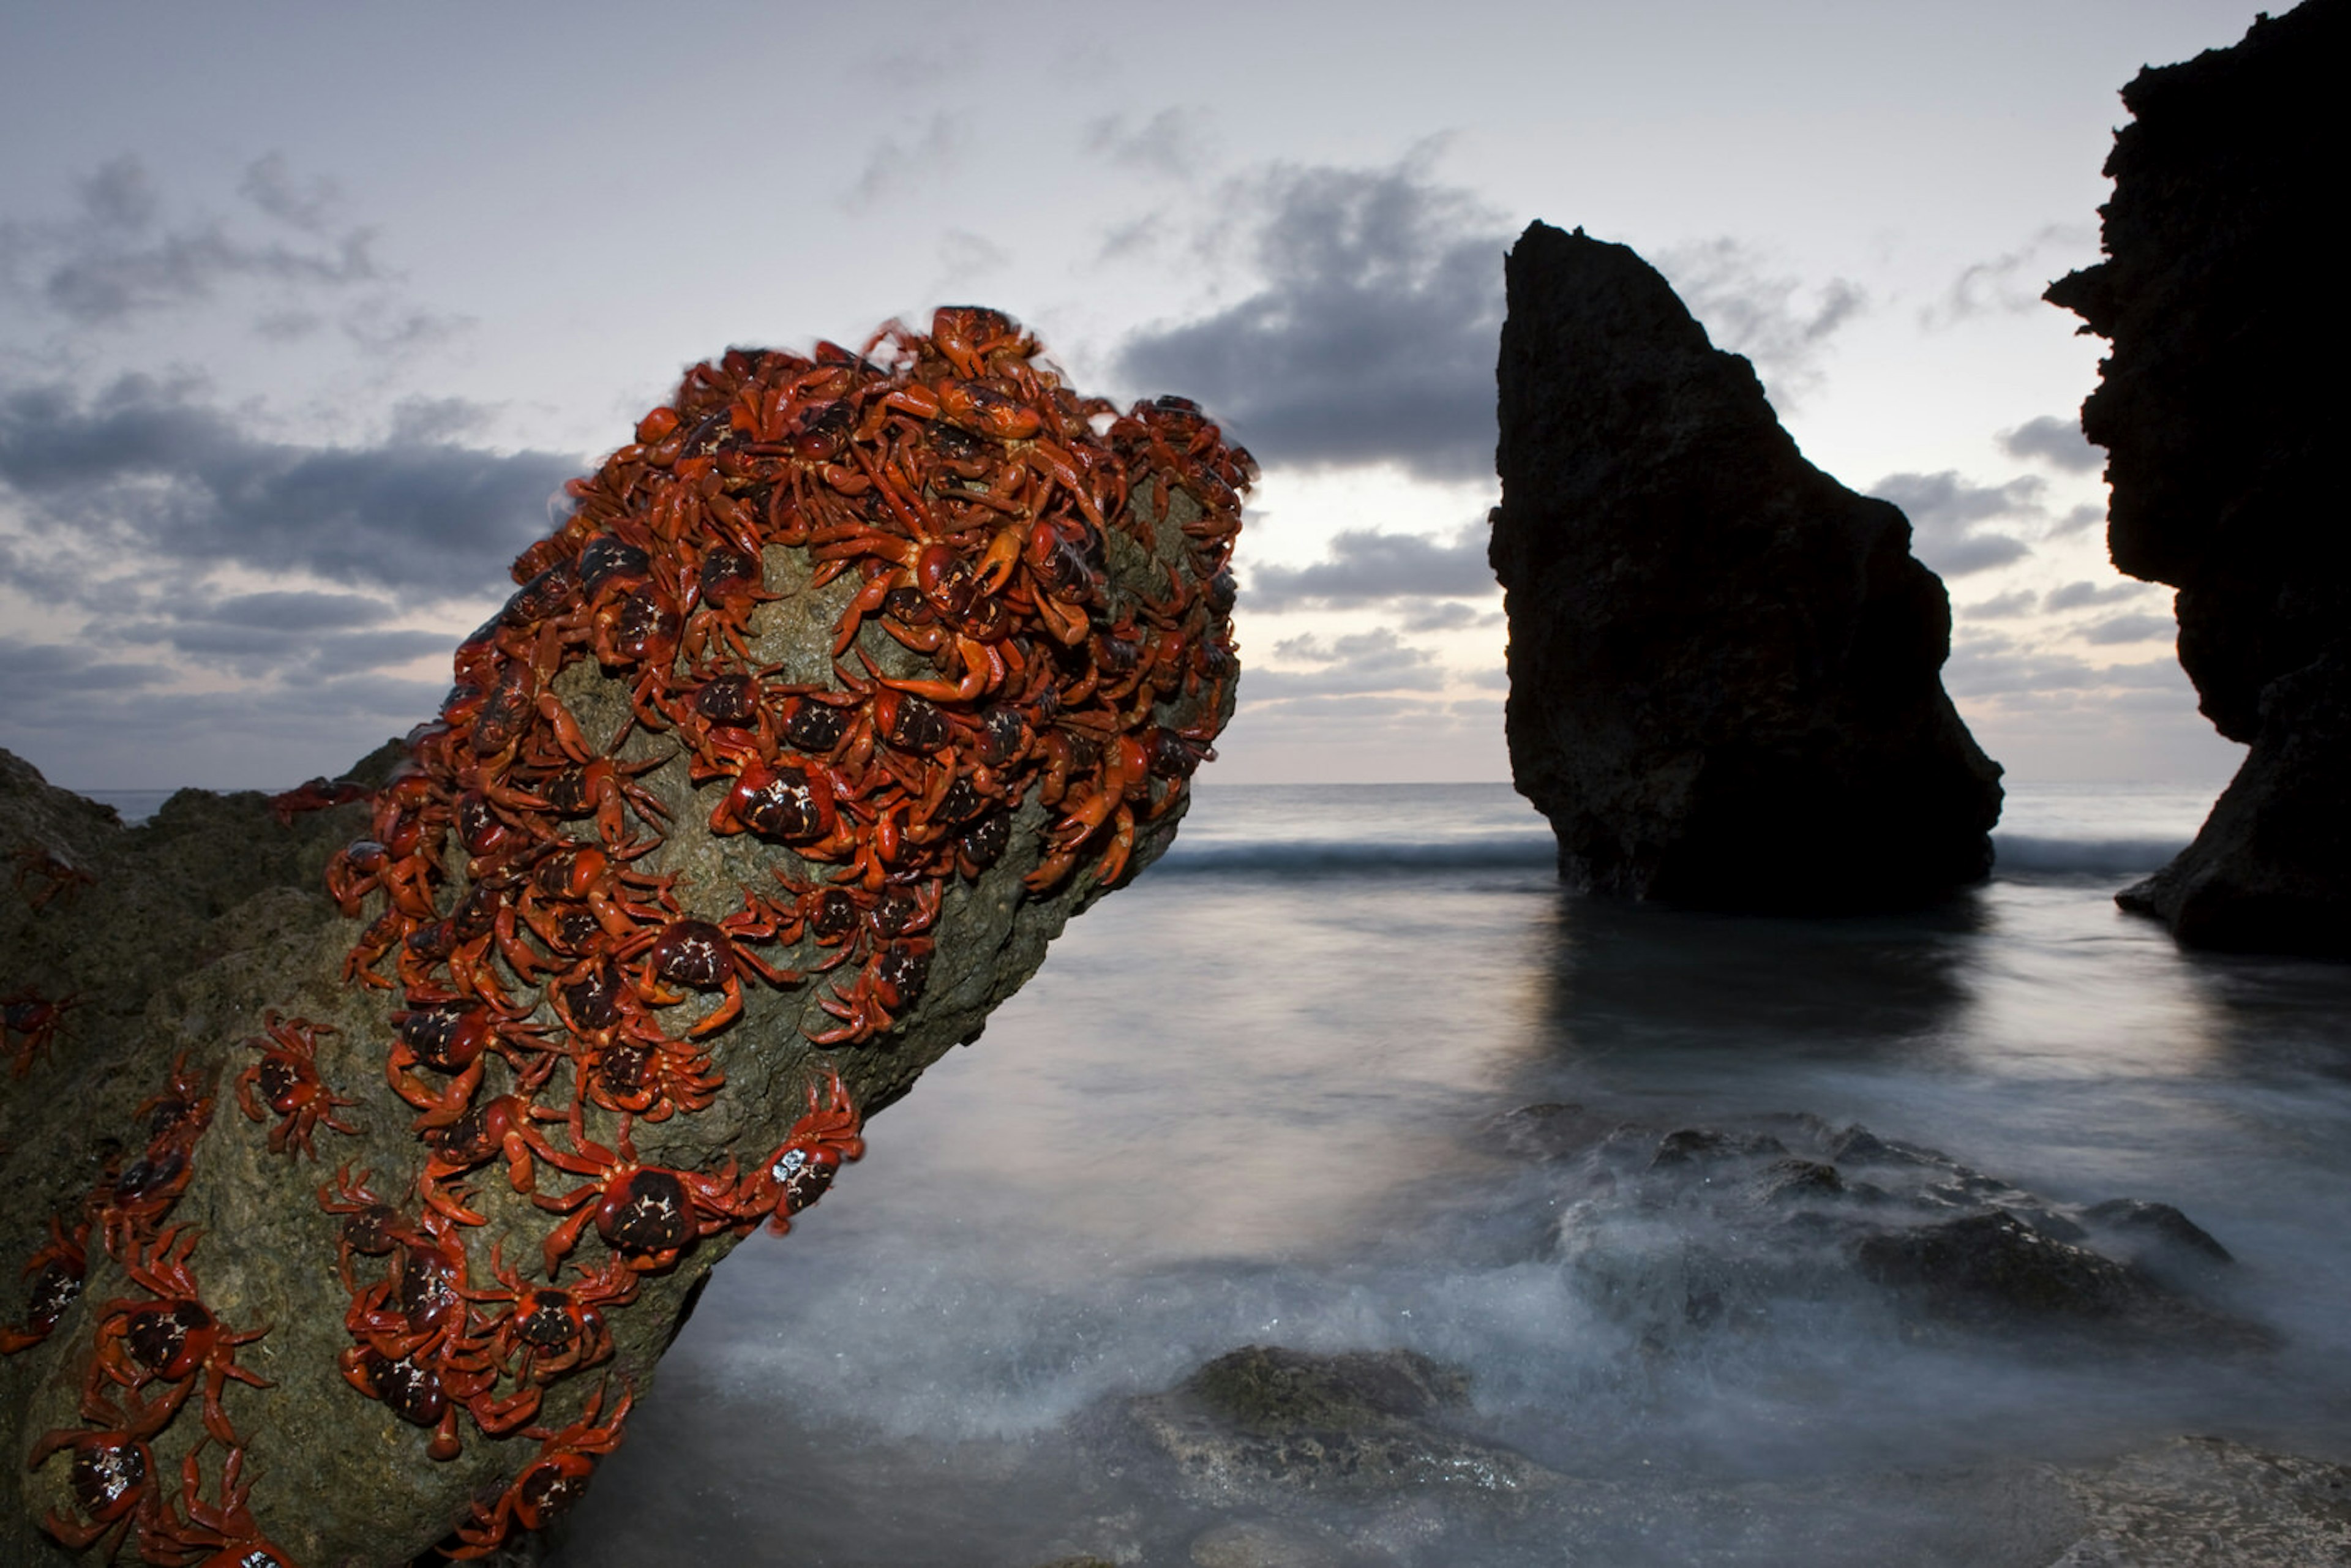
<point x="1725" y="684"/>
<point x="2222" y="408"/>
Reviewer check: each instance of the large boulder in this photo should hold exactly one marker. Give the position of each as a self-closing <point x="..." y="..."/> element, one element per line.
<point x="371" y="1182"/>
<point x="1725" y="685"/>
<point x="2220" y="407"/>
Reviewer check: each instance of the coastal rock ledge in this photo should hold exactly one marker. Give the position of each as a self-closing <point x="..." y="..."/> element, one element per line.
<point x="2221" y="407"/>
<point x="1725" y="666"/>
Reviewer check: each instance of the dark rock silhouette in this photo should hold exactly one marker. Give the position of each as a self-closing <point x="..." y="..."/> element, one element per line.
<point x="2220" y="407"/>
<point x="1724" y="666"/>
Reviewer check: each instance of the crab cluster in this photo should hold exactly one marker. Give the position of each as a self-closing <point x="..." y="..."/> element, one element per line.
<point x="995" y="684"/>
<point x="149" y="1355"/>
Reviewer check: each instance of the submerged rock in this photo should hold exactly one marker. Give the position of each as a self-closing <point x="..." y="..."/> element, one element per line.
<point x="1724" y="666"/>
<point x="1265" y="1422"/>
<point x="2222" y="406"/>
<point x="1688" y="1231"/>
<point x="2206" y="1502"/>
<point x="746" y="809"/>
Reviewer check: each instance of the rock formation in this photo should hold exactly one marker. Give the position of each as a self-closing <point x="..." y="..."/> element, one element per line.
<point x="1788" y="1208"/>
<point x="2221" y="407"/>
<point x="845" y="688"/>
<point x="1724" y="666"/>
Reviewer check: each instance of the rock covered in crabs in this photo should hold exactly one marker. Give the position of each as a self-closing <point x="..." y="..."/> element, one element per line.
<point x="838" y="691"/>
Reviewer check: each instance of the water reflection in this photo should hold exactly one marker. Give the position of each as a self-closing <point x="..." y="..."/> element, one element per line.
<point x="1253" y="1108"/>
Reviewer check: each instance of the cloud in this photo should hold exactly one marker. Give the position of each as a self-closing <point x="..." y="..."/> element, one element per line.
<point x="2010" y="283"/>
<point x="1167" y="144"/>
<point x="2001" y="606"/>
<point x="1373" y="337"/>
<point x="1993" y="665"/>
<point x="2131" y="629"/>
<point x="147" y="474"/>
<point x="1746" y="309"/>
<point x="893" y="165"/>
<point x="2088" y="514"/>
<point x="2075" y="595"/>
<point x="271" y="186"/>
<point x="1366" y="565"/>
<point x="116" y="259"/>
<point x="1947" y="516"/>
<point x="1359" y="664"/>
<point x="1447" y="615"/>
<point x="2057" y="441"/>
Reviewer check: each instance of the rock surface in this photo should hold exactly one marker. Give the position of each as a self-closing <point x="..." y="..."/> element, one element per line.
<point x="2204" y="1503"/>
<point x="1265" y="1421"/>
<point x="1724" y="666"/>
<point x="1789" y="1210"/>
<point x="193" y="931"/>
<point x="2220" y="407"/>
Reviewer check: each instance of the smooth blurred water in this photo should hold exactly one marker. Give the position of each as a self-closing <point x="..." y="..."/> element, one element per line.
<point x="1249" y="1101"/>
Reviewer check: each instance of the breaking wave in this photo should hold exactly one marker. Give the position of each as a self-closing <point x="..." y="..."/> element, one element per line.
<point x="2103" y="857"/>
<point x="1300" y="856"/>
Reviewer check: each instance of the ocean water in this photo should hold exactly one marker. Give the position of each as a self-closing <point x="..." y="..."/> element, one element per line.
<point x="1251" y="1099"/>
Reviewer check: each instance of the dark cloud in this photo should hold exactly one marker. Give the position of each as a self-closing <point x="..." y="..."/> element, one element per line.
<point x="1747" y="308"/>
<point x="2075" y="595"/>
<point x="1374" y="337"/>
<point x="2131" y="629"/>
<point x="2086" y="515"/>
<point x="1948" y="517"/>
<point x="63" y="674"/>
<point x="2057" y="441"/>
<point x="147" y="471"/>
<point x="2001" y="606"/>
<point x="1366" y="565"/>
<point x="116" y="259"/>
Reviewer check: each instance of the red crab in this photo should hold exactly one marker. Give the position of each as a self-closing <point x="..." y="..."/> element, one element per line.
<point x="56" y="1270"/>
<point x="891" y="982"/>
<point x="113" y="1483"/>
<point x="550" y="1484"/>
<point x="315" y="795"/>
<point x="647" y="1214"/>
<point x="483" y="1132"/>
<point x="288" y="1077"/>
<point x="798" y="1173"/>
<point x="371" y="1226"/>
<point x="540" y="1333"/>
<point x="33" y="1019"/>
<point x="226" y="1531"/>
<point x="35" y="862"/>
<point x="173" y="1339"/>
<point x="705" y="957"/>
<point x="450" y="1034"/>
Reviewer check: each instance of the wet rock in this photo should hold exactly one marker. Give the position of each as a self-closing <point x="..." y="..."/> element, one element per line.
<point x="196" y="930"/>
<point x="1266" y="1422"/>
<point x="1263" y="1543"/>
<point x="1703" y="1227"/>
<point x="1724" y="666"/>
<point x="2220" y="407"/>
<point x="2205" y="1502"/>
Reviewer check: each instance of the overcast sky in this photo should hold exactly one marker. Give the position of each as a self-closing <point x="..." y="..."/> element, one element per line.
<point x="306" y="310"/>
